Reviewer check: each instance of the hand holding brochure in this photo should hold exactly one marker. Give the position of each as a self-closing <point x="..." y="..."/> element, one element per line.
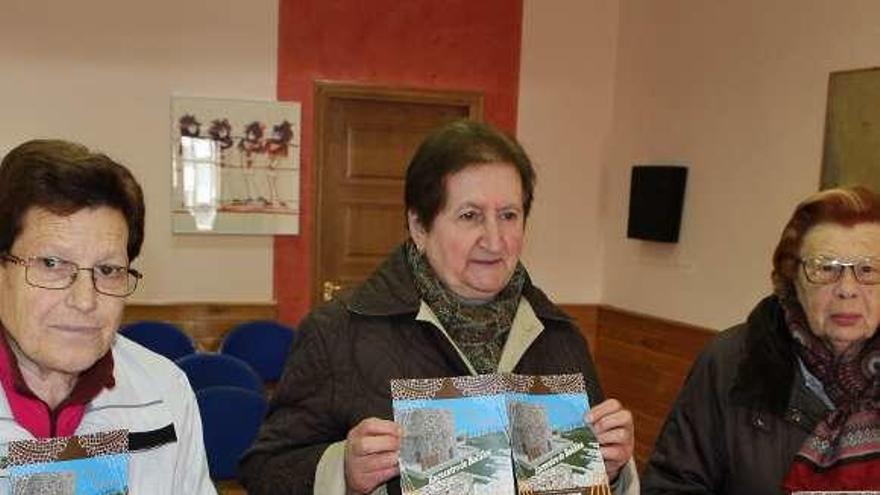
<point x="497" y="434"/>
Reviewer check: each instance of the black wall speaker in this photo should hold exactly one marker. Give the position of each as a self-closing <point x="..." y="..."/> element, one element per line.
<point x="656" y="199"/>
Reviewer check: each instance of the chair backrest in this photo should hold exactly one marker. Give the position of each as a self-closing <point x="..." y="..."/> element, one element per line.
<point x="263" y="344"/>
<point x="216" y="370"/>
<point x="231" y="418"/>
<point x="160" y="337"/>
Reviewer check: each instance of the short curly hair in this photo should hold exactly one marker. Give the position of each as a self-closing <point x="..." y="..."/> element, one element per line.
<point x="845" y="206"/>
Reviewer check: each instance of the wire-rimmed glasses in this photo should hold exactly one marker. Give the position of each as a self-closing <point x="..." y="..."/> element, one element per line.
<point x="54" y="273"/>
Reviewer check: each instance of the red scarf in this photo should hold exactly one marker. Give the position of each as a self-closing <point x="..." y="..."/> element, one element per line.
<point x="843" y="452"/>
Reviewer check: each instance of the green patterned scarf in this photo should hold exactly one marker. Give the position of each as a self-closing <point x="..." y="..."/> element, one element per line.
<point x="479" y="330"/>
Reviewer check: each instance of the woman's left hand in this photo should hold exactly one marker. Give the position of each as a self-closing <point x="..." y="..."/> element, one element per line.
<point x="614" y="429"/>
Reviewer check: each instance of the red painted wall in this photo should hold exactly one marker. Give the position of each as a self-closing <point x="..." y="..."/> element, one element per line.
<point x="442" y="44"/>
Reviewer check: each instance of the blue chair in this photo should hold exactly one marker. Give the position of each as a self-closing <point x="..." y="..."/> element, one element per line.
<point x="160" y="337"/>
<point x="206" y="370"/>
<point x="231" y="417"/>
<point x="263" y="344"/>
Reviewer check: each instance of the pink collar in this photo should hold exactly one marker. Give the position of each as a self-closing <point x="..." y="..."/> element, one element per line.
<point x="32" y="413"/>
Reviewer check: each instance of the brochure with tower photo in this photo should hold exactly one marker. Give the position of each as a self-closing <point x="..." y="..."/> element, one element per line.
<point x="95" y="463"/>
<point x="497" y="434"/>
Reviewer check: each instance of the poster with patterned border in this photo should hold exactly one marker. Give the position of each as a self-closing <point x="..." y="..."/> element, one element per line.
<point x="554" y="448"/>
<point x="235" y="166"/>
<point x="497" y="434"/>
<point x="79" y="465"/>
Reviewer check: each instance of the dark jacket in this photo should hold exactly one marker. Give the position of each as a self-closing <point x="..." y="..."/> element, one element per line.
<point x="742" y="414"/>
<point x="339" y="371"/>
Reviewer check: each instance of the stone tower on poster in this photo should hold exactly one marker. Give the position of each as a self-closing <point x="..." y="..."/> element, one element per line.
<point x="531" y="430"/>
<point x="429" y="437"/>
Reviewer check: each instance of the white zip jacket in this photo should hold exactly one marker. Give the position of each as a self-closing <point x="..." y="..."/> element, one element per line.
<point x="151" y="393"/>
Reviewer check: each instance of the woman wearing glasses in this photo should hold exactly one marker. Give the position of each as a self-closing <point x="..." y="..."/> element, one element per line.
<point x="790" y="400"/>
<point x="79" y="406"/>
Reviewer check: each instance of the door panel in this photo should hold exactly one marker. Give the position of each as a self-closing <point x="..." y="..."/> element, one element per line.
<point x="366" y="137"/>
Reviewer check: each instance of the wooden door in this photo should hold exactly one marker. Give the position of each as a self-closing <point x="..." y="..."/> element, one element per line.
<point x="365" y="137"/>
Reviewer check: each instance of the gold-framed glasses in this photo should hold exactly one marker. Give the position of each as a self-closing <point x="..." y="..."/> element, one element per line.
<point x="827" y="270"/>
<point x="54" y="273"/>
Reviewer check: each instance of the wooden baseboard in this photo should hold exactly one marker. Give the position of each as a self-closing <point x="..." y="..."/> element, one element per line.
<point x="206" y="323"/>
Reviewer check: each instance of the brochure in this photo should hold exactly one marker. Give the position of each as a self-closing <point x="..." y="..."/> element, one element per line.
<point x="89" y="464"/>
<point x="497" y="434"/>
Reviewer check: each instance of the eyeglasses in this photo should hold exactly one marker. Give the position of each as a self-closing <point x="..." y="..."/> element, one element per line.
<point x="51" y="272"/>
<point x="826" y="270"/>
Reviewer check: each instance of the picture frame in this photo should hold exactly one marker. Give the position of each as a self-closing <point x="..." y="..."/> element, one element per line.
<point x="235" y="166"/>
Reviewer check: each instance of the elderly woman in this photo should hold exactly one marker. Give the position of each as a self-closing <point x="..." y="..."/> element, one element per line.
<point x="71" y="222"/>
<point x="790" y="400"/>
<point x="453" y="300"/>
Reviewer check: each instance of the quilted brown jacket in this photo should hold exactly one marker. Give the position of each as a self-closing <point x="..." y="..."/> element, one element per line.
<point x="346" y="352"/>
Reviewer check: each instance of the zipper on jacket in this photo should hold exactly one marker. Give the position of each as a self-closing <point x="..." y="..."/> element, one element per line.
<point x="53" y="420"/>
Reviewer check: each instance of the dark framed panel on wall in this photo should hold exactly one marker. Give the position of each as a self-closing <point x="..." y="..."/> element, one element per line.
<point x="851" y="153"/>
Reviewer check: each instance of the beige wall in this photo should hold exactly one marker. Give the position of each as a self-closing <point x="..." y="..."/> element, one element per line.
<point x="101" y="72"/>
<point x="734" y="90"/>
<point x="565" y="108"/>
<point x="737" y="90"/>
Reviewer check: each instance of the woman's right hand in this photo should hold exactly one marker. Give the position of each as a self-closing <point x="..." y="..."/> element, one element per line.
<point x="371" y="453"/>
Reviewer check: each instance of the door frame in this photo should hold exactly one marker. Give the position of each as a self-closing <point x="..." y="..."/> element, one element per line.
<point x="325" y="91"/>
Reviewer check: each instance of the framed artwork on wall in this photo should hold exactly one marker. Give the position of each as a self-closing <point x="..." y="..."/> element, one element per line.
<point x="851" y="154"/>
<point x="235" y="166"/>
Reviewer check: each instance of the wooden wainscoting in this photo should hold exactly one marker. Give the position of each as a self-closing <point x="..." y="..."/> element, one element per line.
<point x="643" y="361"/>
<point x="206" y="323"/>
